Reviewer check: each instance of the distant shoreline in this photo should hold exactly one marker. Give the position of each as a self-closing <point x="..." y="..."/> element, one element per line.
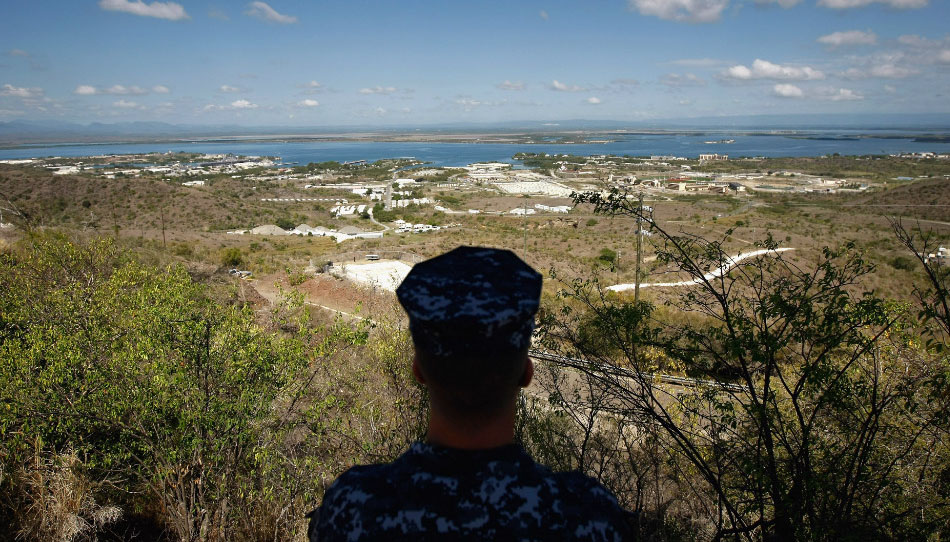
<point x="562" y="137"/>
<point x="460" y="148"/>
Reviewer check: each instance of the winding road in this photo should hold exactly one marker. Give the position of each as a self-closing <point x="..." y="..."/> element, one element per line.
<point x="727" y="265"/>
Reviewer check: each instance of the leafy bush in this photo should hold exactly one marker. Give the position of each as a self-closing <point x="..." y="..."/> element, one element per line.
<point x="133" y="390"/>
<point x="607" y="256"/>
<point x="232" y="257"/>
<point x="821" y="423"/>
<point x="903" y="263"/>
<point x="285" y="223"/>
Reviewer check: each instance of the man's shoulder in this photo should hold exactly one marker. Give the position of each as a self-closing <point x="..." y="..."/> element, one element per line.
<point x="357" y="484"/>
<point x="430" y="491"/>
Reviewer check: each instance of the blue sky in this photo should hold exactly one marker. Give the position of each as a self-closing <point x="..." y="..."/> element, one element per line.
<point x="328" y="63"/>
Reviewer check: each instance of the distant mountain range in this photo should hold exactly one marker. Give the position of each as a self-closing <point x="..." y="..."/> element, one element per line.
<point x="21" y="132"/>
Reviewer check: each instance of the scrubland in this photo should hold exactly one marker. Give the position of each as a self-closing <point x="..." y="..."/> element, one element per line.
<point x="147" y="394"/>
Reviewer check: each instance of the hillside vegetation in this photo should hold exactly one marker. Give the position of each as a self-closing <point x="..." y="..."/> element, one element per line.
<point x="139" y="403"/>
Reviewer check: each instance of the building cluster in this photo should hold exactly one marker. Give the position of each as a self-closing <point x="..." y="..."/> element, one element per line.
<point x="406" y="227"/>
<point x="942" y="256"/>
<point x="338" y="201"/>
<point x="923" y="155"/>
<point x="345" y="233"/>
<point x="553" y="209"/>
<point x="545" y="188"/>
<point x="209" y="164"/>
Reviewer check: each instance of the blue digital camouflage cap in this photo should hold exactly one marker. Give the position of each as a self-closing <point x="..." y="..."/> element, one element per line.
<point x="471" y="301"/>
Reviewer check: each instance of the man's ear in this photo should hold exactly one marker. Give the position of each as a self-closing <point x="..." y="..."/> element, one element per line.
<point x="528" y="373"/>
<point x="417" y="370"/>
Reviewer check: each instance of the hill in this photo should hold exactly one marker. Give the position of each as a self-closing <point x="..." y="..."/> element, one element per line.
<point x="927" y="199"/>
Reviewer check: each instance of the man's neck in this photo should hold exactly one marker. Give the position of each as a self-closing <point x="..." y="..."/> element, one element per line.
<point x="481" y="434"/>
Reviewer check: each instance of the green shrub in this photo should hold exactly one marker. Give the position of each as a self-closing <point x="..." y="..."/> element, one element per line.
<point x="903" y="263"/>
<point x="285" y="223"/>
<point x="232" y="257"/>
<point x="607" y="256"/>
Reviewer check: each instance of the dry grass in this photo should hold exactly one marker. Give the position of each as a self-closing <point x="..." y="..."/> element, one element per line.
<point x="59" y="503"/>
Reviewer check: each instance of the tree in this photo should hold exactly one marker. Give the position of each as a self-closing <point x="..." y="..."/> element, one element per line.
<point x="284" y="222"/>
<point x="607" y="257"/>
<point x="814" y="415"/>
<point x="136" y="390"/>
<point x="232" y="257"/>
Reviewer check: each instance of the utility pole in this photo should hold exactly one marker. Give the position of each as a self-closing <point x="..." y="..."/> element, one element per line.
<point x="115" y="222"/>
<point x="524" y="224"/>
<point x="164" y="244"/>
<point x="636" y="286"/>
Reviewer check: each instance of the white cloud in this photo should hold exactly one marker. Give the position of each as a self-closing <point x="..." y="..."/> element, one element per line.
<point x="123" y="90"/>
<point x="263" y="11"/>
<point x="690" y="11"/>
<point x="468" y="103"/>
<point x="509" y="85"/>
<point x="378" y="90"/>
<point x="18" y="52"/>
<point x="682" y="80"/>
<point x="20" y="92"/>
<point x="890" y="89"/>
<point x="160" y="10"/>
<point x="118" y="90"/>
<point x="784" y="3"/>
<point x="839" y="95"/>
<point x="235" y="105"/>
<point x="312" y="87"/>
<point x="850" y="37"/>
<point x="853" y="73"/>
<point x="927" y="50"/>
<point x="561" y="87"/>
<point x="785" y="90"/>
<point x="763" y="69"/>
<point x="739" y="72"/>
<point x="380" y="111"/>
<point x="898" y="4"/>
<point x="229" y="89"/>
<point x="543" y="14"/>
<point x="308" y="103"/>
<point x="890" y="71"/>
<point x="913" y="40"/>
<point x="123" y="104"/>
<point x="593" y="100"/>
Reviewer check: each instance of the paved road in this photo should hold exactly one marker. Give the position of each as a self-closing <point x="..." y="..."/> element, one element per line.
<point x="728" y="264"/>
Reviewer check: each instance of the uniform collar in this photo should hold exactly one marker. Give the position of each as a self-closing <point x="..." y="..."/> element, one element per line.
<point x="427" y="451"/>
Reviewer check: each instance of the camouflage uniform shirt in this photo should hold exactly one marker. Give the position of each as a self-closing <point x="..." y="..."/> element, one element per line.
<point x="431" y="492"/>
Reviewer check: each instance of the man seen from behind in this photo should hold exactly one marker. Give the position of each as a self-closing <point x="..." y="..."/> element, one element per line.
<point x="471" y="315"/>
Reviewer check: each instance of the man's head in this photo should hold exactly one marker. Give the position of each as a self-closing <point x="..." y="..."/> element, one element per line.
<point x="471" y="315"/>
